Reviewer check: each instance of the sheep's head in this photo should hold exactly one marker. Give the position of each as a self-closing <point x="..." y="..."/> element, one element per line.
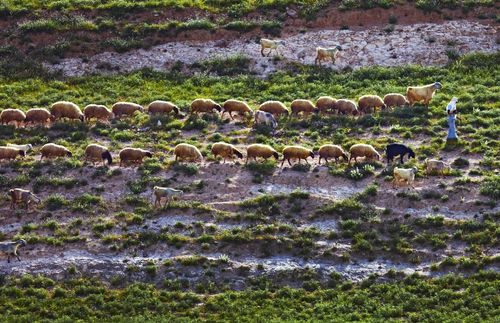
<point x="22" y="153"/>
<point x="81" y="117"/>
<point x="338" y="48"/>
<point x="276" y="155"/>
<point x="107" y="155"/>
<point x="21" y="242"/>
<point x="218" y="107"/>
<point x="238" y="153"/>
<point x="280" y="42"/>
<point x="311" y="154"/>
<point x="176" y="110"/>
<point x="149" y="154"/>
<point x="437" y="86"/>
<point x="68" y="153"/>
<point x="384" y="106"/>
<point x="141" y="108"/>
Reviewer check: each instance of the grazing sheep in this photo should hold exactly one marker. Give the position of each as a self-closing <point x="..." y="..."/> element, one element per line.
<point x="331" y="151"/>
<point x="134" y="155"/>
<point x="304" y="106"/>
<point x="204" y="105"/>
<point x="270" y="44"/>
<point x="97" y="111"/>
<point x="434" y="166"/>
<point x="126" y="109"/>
<point x="276" y="108"/>
<point x="53" y="151"/>
<point x="367" y="102"/>
<point x="95" y="152"/>
<point x="326" y="104"/>
<point x="363" y="150"/>
<point x="162" y="107"/>
<point x="266" y="118"/>
<point x="187" y="152"/>
<point x="259" y="150"/>
<point x="12" y="115"/>
<point x="395" y="100"/>
<point x="406" y="175"/>
<point x="296" y="152"/>
<point x="160" y="192"/>
<point x="422" y="93"/>
<point x="322" y="54"/>
<point x="225" y="150"/>
<point x="65" y="109"/>
<point x="349" y="107"/>
<point x="19" y="195"/>
<point x="11" y="153"/>
<point x="25" y="148"/>
<point x="240" y="107"/>
<point x="10" y="248"/>
<point x="38" y="116"/>
<point x="393" y="150"/>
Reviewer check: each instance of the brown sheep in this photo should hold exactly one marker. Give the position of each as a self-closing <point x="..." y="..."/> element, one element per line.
<point x="39" y="116"/>
<point x="187" y="152"/>
<point x="126" y="109"/>
<point x="95" y="152"/>
<point x="240" y="107"/>
<point x="12" y="115"/>
<point x="276" y="108"/>
<point x="162" y="107"/>
<point x="225" y="151"/>
<point x="11" y="153"/>
<point x="65" y="109"/>
<point x="422" y="93"/>
<point x="326" y="104"/>
<point x="296" y="152"/>
<point x="304" y="106"/>
<point x="259" y="150"/>
<point x="19" y="195"/>
<point x="204" y="106"/>
<point x="53" y="151"/>
<point x="362" y="150"/>
<point x="331" y="151"/>
<point x="134" y="155"/>
<point x="395" y="100"/>
<point x="367" y="102"/>
<point x="348" y="107"/>
<point x="97" y="111"/>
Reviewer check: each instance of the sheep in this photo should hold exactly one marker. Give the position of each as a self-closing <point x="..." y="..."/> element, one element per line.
<point x="65" y="109"/>
<point x="126" y="109"/>
<point x="406" y="175"/>
<point x="266" y="118"/>
<point x="304" y="106"/>
<point x="12" y="115"/>
<point x="240" y="107"/>
<point x="395" y="149"/>
<point x="326" y="104"/>
<point x="97" y="111"/>
<point x="160" y="192"/>
<point x="259" y="150"/>
<point x="367" y="102"/>
<point x="38" y="116"/>
<point x="25" y="148"/>
<point x="225" y="150"/>
<point x="276" y="108"/>
<point x="162" y="107"/>
<point x="362" y="150"/>
<point x="344" y="106"/>
<point x="323" y="54"/>
<point x="297" y="152"/>
<point x="95" y="152"/>
<point x="53" y="151"/>
<point x="10" y="248"/>
<point x="328" y="151"/>
<point x="436" y="166"/>
<point x="10" y="153"/>
<point x="19" y="195"/>
<point x="395" y="100"/>
<point x="134" y="155"/>
<point x="204" y="105"/>
<point x="187" y="152"/>
<point x="270" y="44"/>
<point x="422" y="93"/>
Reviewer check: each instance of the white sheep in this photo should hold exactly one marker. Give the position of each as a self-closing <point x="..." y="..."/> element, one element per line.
<point x="10" y="248"/>
<point x="160" y="192"/>
<point x="271" y="45"/>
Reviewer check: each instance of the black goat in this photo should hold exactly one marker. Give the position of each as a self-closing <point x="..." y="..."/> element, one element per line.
<point x="393" y="150"/>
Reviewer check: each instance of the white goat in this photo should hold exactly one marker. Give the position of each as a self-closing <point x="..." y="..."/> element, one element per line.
<point x="406" y="175"/>
<point x="160" y="192"/>
<point x="10" y="248"/>
<point x="323" y="54"/>
<point x="270" y="44"/>
<point x="19" y="195"/>
<point x="262" y="117"/>
<point x="24" y="148"/>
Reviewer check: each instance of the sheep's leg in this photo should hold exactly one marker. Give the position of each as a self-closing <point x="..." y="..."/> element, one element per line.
<point x="246" y="161"/>
<point x="306" y="161"/>
<point x="319" y="161"/>
<point x="289" y="163"/>
<point x="8" y="258"/>
<point x="262" y="51"/>
<point x="17" y="255"/>
<point x="283" y="162"/>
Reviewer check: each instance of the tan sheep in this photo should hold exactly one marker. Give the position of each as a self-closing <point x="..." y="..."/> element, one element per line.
<point x="349" y="107"/>
<point x="367" y="102"/>
<point x="187" y="152"/>
<point x="98" y="112"/>
<point x="19" y="195"/>
<point x="304" y="106"/>
<point x="237" y="106"/>
<point x="95" y="152"/>
<point x="276" y="108"/>
<point x="12" y="115"/>
<point x="10" y="153"/>
<point x="326" y="104"/>
<point x="53" y="151"/>
<point x="331" y="151"/>
<point x="395" y="100"/>
<point x="204" y="105"/>
<point x="162" y="107"/>
<point x="422" y="93"/>
<point x="225" y="151"/>
<point x="133" y="155"/>
<point x="65" y="109"/>
<point x="363" y="150"/>
<point x="39" y="116"/>
<point x="126" y="109"/>
<point x="296" y="152"/>
<point x="259" y="150"/>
